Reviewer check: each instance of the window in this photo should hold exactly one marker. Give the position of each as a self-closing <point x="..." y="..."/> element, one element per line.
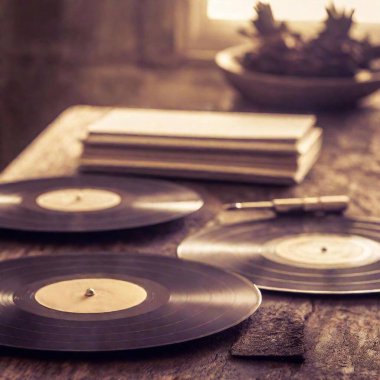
<point x="366" y="11"/>
<point x="210" y="25"/>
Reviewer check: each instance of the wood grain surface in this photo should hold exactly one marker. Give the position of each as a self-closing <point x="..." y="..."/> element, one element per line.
<point x="340" y="334"/>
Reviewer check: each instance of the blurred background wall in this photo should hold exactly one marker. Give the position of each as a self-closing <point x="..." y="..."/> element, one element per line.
<point x="57" y="53"/>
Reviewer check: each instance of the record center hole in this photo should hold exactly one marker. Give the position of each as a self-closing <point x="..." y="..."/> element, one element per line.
<point x="90" y="292"/>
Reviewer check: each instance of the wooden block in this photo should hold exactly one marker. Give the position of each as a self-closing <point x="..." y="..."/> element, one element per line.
<point x="276" y="330"/>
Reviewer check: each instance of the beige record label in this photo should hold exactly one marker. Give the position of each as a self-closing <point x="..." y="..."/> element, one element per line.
<point x="324" y="251"/>
<point x="10" y="200"/>
<point x="91" y="295"/>
<point x="78" y="200"/>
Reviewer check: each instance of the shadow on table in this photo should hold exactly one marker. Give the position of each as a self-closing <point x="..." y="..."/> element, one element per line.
<point x="211" y="343"/>
<point x="159" y="231"/>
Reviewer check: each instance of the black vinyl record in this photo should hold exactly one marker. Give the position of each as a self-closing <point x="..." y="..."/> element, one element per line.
<point x="92" y="203"/>
<point x="321" y="254"/>
<point x="109" y="302"/>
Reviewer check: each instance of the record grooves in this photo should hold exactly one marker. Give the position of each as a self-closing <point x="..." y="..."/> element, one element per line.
<point x="326" y="254"/>
<point x="90" y="203"/>
<point x="182" y="301"/>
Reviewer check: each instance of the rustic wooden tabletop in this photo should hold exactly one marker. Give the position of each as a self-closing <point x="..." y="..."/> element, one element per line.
<point x="339" y="335"/>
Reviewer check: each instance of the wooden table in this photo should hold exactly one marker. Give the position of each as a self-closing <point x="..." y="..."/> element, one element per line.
<point x="341" y="334"/>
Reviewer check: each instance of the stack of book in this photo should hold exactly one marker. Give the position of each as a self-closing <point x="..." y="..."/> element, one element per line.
<point x="266" y="148"/>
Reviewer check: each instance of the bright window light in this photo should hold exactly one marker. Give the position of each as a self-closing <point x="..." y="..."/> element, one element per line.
<point x="366" y="11"/>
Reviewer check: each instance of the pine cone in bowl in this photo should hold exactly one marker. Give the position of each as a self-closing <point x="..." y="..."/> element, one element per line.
<point x="332" y="53"/>
<point x="282" y="69"/>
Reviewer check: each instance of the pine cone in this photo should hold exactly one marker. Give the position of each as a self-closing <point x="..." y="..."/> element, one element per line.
<point x="333" y="53"/>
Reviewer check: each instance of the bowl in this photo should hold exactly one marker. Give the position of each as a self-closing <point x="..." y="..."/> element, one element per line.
<point x="294" y="92"/>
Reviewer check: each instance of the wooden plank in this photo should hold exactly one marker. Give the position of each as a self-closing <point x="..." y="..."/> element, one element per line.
<point x="340" y="333"/>
<point x="55" y="151"/>
<point x="344" y="337"/>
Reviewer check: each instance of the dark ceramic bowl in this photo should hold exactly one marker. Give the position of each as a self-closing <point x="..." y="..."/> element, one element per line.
<point x="291" y="91"/>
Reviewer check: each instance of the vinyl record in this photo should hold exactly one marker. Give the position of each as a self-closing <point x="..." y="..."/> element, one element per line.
<point x="325" y="254"/>
<point x="108" y="302"/>
<point x="92" y="203"/>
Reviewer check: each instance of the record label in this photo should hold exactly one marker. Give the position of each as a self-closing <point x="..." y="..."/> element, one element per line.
<point x="91" y="295"/>
<point x="77" y="200"/>
<point x="328" y="251"/>
<point x="10" y="200"/>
